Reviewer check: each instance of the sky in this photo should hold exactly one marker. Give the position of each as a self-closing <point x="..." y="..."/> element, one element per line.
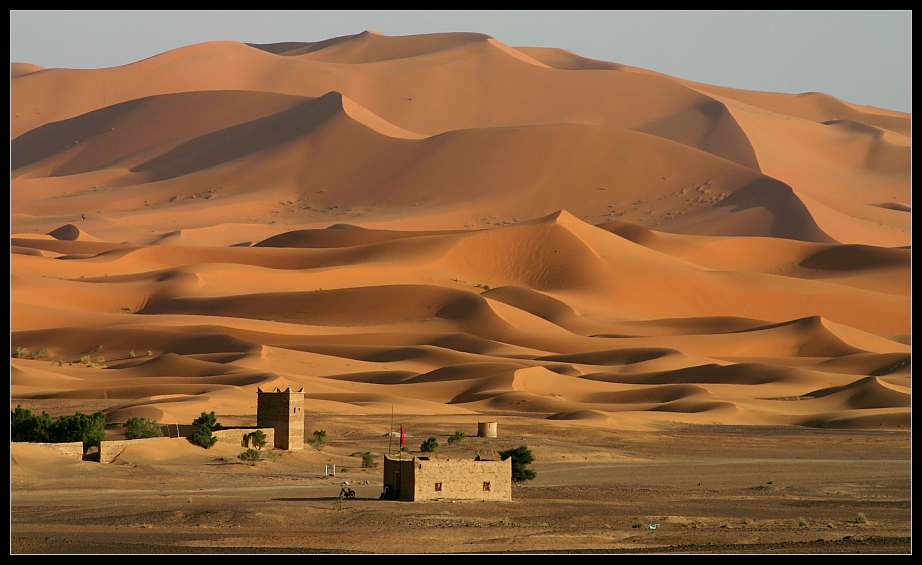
<point x="860" y="57"/>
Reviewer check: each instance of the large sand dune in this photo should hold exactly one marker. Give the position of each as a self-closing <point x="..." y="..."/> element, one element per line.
<point x="447" y="225"/>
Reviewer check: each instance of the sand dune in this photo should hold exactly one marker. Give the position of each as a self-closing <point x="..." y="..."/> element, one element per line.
<point x="21" y="69"/>
<point x="443" y="225"/>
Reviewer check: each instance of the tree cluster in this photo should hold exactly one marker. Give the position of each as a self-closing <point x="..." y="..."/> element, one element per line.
<point x="25" y="426"/>
<point x="140" y="428"/>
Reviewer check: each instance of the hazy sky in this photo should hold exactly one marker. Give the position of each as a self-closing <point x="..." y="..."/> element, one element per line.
<point x="860" y="57"/>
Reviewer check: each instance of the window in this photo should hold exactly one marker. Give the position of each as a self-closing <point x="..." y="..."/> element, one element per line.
<point x="486" y="486"/>
<point x="438" y="487"/>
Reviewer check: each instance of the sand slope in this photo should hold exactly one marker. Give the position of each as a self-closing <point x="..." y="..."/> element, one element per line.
<point x="443" y="224"/>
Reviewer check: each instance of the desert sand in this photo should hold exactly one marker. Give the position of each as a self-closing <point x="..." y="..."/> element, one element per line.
<point x="453" y="230"/>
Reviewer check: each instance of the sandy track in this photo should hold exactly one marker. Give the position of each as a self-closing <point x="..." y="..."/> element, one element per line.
<point x="711" y="489"/>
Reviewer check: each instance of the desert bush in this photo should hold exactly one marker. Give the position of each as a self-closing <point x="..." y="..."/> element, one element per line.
<point x="258" y="439"/>
<point x="861" y="519"/>
<point x="638" y="524"/>
<point x="21" y="352"/>
<point x="203" y="438"/>
<point x="521" y="458"/>
<point x="139" y="428"/>
<point x="803" y="522"/>
<point x="429" y="445"/>
<point x="131" y="354"/>
<point x="456" y="437"/>
<point x="368" y="461"/>
<point x="42" y="353"/>
<point x="250" y="455"/>
<point x="318" y="439"/>
<point x="207" y="420"/>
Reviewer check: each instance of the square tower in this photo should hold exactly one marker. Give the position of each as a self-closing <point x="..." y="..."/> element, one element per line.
<point x="282" y="410"/>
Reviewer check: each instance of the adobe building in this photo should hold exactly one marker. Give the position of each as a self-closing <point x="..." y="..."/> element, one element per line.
<point x="421" y="478"/>
<point x="282" y="410"/>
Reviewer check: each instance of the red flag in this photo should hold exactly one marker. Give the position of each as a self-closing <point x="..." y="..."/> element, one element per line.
<point x="401" y="436"/>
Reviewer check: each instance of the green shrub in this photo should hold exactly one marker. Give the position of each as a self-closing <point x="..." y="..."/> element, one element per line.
<point x="25" y="426"/>
<point x="368" y="461"/>
<point x="318" y="439"/>
<point x="21" y="352"/>
<point x="861" y="519"/>
<point x="42" y="353"/>
<point x="90" y="429"/>
<point x="257" y="438"/>
<point x="207" y="420"/>
<point x="638" y="524"/>
<point x="203" y="438"/>
<point x="250" y="455"/>
<point x="521" y="458"/>
<point x="429" y="445"/>
<point x="139" y="428"/>
<point x="803" y="522"/>
<point x="457" y="437"/>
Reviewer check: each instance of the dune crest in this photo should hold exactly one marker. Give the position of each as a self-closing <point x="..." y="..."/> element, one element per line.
<point x="446" y="226"/>
<point x="21" y="69"/>
<point x="70" y="232"/>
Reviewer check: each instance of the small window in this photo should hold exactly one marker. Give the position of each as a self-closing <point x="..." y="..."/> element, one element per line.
<point x="486" y="486"/>
<point x="438" y="487"/>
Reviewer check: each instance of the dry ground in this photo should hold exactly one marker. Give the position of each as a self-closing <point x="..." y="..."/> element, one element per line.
<point x="711" y="489"/>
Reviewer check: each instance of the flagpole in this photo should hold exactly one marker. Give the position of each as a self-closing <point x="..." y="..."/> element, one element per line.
<point x="390" y="433"/>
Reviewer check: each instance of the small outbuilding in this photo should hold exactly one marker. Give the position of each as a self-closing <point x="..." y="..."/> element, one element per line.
<point x="422" y="478"/>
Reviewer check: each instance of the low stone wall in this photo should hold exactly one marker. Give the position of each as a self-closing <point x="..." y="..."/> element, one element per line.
<point x="109" y="450"/>
<point x="73" y="449"/>
<point x="238" y="436"/>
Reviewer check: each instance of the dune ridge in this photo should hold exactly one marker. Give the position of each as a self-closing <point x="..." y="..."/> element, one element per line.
<point x="444" y="225"/>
